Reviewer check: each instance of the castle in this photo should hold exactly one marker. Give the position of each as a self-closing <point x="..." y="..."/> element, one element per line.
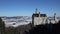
<point x="38" y="18"/>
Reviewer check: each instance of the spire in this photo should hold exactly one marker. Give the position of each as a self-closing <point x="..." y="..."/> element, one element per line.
<point x="36" y="10"/>
<point x="39" y="14"/>
<point x="54" y="16"/>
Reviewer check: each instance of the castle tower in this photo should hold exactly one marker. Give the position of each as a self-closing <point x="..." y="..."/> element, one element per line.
<point x="39" y="14"/>
<point x="38" y="19"/>
<point x="34" y="17"/>
<point x="36" y="12"/>
<point x="55" y="18"/>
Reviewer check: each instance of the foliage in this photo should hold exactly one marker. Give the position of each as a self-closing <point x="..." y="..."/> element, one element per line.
<point x="2" y="26"/>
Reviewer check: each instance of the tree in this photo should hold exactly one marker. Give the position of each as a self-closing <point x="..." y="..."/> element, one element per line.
<point x="2" y="26"/>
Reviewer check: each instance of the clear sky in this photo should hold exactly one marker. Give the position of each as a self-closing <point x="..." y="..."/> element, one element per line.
<point x="27" y="7"/>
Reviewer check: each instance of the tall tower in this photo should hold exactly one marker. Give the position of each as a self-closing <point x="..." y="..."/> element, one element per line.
<point x="35" y="17"/>
<point x="38" y="18"/>
<point x="55" y="18"/>
<point x="36" y="12"/>
<point x="39" y="14"/>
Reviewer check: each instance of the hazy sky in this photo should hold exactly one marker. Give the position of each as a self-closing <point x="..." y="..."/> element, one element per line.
<point x="27" y="7"/>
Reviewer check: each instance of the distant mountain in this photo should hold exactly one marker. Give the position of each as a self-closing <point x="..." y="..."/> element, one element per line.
<point x="16" y="21"/>
<point x="16" y="17"/>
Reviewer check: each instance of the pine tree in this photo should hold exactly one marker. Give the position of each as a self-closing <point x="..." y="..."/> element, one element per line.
<point x="2" y="26"/>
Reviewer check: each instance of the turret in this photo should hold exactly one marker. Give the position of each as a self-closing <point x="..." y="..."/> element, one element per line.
<point x="36" y="12"/>
<point x="39" y="14"/>
<point x="54" y="16"/>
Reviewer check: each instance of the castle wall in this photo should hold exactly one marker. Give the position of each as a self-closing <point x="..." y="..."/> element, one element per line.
<point x="39" y="20"/>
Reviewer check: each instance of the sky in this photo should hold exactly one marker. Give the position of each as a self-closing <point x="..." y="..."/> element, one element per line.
<point x="27" y="7"/>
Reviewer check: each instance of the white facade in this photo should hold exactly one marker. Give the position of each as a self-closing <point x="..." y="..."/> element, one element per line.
<point x="44" y="20"/>
<point x="39" y="20"/>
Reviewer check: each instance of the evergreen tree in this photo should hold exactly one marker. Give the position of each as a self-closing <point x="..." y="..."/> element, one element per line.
<point x="2" y="26"/>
